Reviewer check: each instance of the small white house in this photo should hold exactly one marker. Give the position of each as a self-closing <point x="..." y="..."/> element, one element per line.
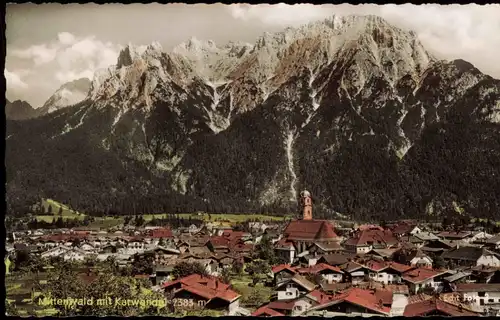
<point x="294" y="287"/>
<point x="479" y="294"/>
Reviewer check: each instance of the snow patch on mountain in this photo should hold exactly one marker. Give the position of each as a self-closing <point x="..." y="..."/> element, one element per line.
<point x="67" y="95"/>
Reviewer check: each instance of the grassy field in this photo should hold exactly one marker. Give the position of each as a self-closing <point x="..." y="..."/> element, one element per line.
<point x="58" y="210"/>
<point x="241" y="285"/>
<point x="108" y="222"/>
<point x="219" y="217"/>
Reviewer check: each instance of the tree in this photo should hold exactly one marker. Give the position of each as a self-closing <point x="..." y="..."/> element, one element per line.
<point x="237" y="266"/>
<point x="226" y="275"/>
<point x="439" y="262"/>
<point x="65" y="283"/>
<point x="184" y="268"/>
<point x="257" y="269"/>
<point x="143" y="263"/>
<point x="255" y="298"/>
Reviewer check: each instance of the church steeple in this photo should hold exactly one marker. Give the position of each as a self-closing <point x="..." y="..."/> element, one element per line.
<point x="306" y="202"/>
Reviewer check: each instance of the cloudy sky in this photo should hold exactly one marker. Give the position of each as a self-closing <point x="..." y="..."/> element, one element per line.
<point x="50" y="44"/>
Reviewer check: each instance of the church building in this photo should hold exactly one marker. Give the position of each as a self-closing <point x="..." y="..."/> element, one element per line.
<point x="303" y="233"/>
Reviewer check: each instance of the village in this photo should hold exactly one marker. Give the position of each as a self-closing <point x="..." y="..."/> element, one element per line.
<point x="302" y="267"/>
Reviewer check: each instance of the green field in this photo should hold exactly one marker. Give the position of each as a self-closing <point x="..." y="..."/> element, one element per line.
<point x="108" y="222"/>
<point x="219" y="217"/>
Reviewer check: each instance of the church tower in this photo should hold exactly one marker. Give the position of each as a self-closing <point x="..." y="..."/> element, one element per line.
<point x="306" y="202"/>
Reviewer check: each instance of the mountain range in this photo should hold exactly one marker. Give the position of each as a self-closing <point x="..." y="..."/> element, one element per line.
<point x="67" y="95"/>
<point x="351" y="108"/>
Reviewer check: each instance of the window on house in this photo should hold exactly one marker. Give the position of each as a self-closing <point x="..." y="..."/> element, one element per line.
<point x="481" y="294"/>
<point x="289" y="293"/>
<point x="491" y="300"/>
<point x="481" y="302"/>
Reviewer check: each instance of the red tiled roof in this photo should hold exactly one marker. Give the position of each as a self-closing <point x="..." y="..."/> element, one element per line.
<point x="382" y="265"/>
<point x="402" y="228"/>
<point x="369" y="227"/>
<point x="282" y="305"/>
<point x="160" y="233"/>
<point x="384" y="295"/>
<point x="283" y="243"/>
<point x="264" y="310"/>
<point x="205" y="286"/>
<point x="310" y="230"/>
<point x="360" y="297"/>
<point x="363" y="237"/>
<point x="422" y="308"/>
<point x="420" y="274"/>
<point x="281" y="267"/>
<point x="320" y="296"/>
<point x="317" y="268"/>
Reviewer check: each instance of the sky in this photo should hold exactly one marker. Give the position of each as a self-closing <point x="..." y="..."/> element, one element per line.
<point x="51" y="44"/>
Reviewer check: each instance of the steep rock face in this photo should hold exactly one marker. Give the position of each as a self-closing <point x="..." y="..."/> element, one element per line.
<point x="67" y="95"/>
<point x="352" y="108"/>
<point x="19" y="110"/>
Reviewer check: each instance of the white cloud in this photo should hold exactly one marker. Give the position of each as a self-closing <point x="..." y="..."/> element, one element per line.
<point x="71" y="56"/>
<point x="14" y="81"/>
<point x="279" y="14"/>
<point x="66" y="38"/>
<point x="40" y="54"/>
<point x="66" y="58"/>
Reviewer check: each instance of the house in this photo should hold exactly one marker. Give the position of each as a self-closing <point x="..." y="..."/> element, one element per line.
<point x="265" y="311"/>
<point x="420" y="278"/>
<point x="436" y="247"/>
<point x="400" y="294"/>
<point x="425" y="236"/>
<point x="293" y="287"/>
<point x="336" y="259"/>
<point x="412" y="241"/>
<point x="164" y="255"/>
<point x="366" y="240"/>
<point x="492" y="242"/>
<point x="293" y="307"/>
<point x="354" y="301"/>
<point x="404" y="229"/>
<point x="471" y="256"/>
<point x="205" y="292"/>
<point x="485" y="274"/>
<point x="329" y="273"/>
<point x="282" y="272"/>
<point x="385" y="254"/>
<point x="436" y="307"/>
<point x="322" y="248"/>
<point x="355" y="272"/>
<point x="452" y="235"/>
<point x="459" y="277"/>
<point x="479" y="294"/>
<point x="163" y="274"/>
<point x="417" y="258"/>
<point x="286" y="250"/>
<point x="386" y="272"/>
